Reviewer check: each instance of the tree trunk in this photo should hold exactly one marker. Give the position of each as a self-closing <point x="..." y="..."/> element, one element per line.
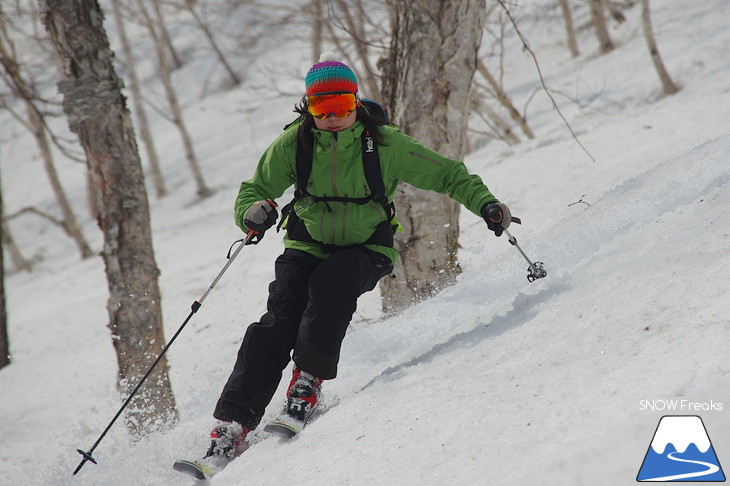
<point x="316" y="29"/>
<point x="668" y="86"/>
<point x="433" y="62"/>
<point x="598" y="17"/>
<point x="569" y="29"/>
<point x="97" y="113"/>
<point x="165" y="35"/>
<point x="144" y="129"/>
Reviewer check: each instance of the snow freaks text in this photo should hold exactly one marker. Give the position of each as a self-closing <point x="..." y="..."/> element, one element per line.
<point x="680" y="405"/>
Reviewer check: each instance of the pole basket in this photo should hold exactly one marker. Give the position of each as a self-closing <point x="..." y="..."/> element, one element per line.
<point x="536" y="271"/>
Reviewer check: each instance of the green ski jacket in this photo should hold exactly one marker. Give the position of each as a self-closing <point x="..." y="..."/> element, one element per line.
<point x="337" y="171"/>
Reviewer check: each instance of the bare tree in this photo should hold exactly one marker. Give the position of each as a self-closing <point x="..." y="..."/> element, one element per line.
<point x="493" y="53"/>
<point x="144" y="129"/>
<point x="205" y="29"/>
<point x="500" y="94"/>
<point x="164" y="35"/>
<point x="7" y="242"/>
<point x="668" y="86"/>
<point x="23" y="90"/>
<point x="316" y="29"/>
<point x="598" y="17"/>
<point x="20" y="263"/>
<point x="433" y="62"/>
<point x="569" y="29"/>
<point x="358" y="36"/>
<point x="175" y="109"/>
<point x="500" y="128"/>
<point x="97" y="113"/>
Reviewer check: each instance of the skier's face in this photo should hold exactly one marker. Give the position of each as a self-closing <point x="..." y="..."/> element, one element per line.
<point x="334" y="124"/>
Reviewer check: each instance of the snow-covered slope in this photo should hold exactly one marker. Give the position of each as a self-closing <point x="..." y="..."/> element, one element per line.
<point x="494" y="381"/>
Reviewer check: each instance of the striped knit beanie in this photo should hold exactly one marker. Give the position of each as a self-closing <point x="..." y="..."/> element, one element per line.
<point x="329" y="75"/>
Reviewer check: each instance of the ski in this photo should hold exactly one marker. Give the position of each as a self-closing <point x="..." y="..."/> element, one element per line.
<point x="285" y="426"/>
<point x="196" y="469"/>
<point x="207" y="467"/>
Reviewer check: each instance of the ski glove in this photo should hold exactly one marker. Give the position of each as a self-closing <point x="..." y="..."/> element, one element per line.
<point x="260" y="217"/>
<point x="497" y="216"/>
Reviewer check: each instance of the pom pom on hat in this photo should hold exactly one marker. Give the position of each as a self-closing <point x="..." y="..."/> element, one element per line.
<point x="328" y="56"/>
<point x="329" y="75"/>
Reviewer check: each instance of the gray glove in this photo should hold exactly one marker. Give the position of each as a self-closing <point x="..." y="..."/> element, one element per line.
<point x="260" y="217"/>
<point x="497" y="216"/>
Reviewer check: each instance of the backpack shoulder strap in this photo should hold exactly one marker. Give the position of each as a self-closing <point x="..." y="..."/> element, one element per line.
<point x="370" y="160"/>
<point x="371" y="165"/>
<point x="304" y="163"/>
<point x="371" y="168"/>
<point x="374" y="174"/>
<point x="303" y="169"/>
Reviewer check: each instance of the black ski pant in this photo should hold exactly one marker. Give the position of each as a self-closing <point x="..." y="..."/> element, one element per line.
<point x="310" y="305"/>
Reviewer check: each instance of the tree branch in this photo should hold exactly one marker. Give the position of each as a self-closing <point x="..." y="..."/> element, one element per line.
<point x="526" y="44"/>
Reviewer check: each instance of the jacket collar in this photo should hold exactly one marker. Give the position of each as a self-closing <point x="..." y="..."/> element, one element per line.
<point x="344" y="138"/>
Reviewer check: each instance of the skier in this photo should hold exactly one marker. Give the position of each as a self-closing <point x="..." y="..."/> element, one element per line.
<point x="338" y="243"/>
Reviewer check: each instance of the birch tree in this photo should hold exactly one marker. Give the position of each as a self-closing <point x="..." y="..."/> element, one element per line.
<point x="165" y="35"/>
<point x="598" y="17"/>
<point x="158" y="33"/>
<point x="500" y="94"/>
<point x="316" y="29"/>
<point x="569" y="28"/>
<point x="433" y="60"/>
<point x="20" y="263"/>
<point x="205" y="28"/>
<point x="134" y="87"/>
<point x="22" y="89"/>
<point x="97" y="113"/>
<point x="668" y="86"/>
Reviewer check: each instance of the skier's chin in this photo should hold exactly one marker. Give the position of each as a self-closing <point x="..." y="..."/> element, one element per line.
<point x="336" y="128"/>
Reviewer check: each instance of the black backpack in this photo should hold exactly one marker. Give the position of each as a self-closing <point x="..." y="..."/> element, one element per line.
<point x="383" y="234"/>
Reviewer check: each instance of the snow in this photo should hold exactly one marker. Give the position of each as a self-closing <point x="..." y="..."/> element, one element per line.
<point x="495" y="380"/>
<point x="681" y="432"/>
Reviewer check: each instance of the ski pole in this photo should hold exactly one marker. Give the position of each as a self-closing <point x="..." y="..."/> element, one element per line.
<point x="193" y="309"/>
<point x="536" y="269"/>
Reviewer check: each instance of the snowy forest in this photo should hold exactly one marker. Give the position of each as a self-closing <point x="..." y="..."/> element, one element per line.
<point x="127" y="126"/>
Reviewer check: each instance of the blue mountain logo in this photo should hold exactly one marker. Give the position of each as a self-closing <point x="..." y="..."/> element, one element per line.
<point x="681" y="451"/>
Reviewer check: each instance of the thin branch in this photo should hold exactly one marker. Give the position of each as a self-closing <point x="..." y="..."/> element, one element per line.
<point x="580" y="201"/>
<point x="542" y="80"/>
<point x="36" y="211"/>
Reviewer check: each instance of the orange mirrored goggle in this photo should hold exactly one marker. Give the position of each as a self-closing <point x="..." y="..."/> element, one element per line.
<point x="339" y="103"/>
